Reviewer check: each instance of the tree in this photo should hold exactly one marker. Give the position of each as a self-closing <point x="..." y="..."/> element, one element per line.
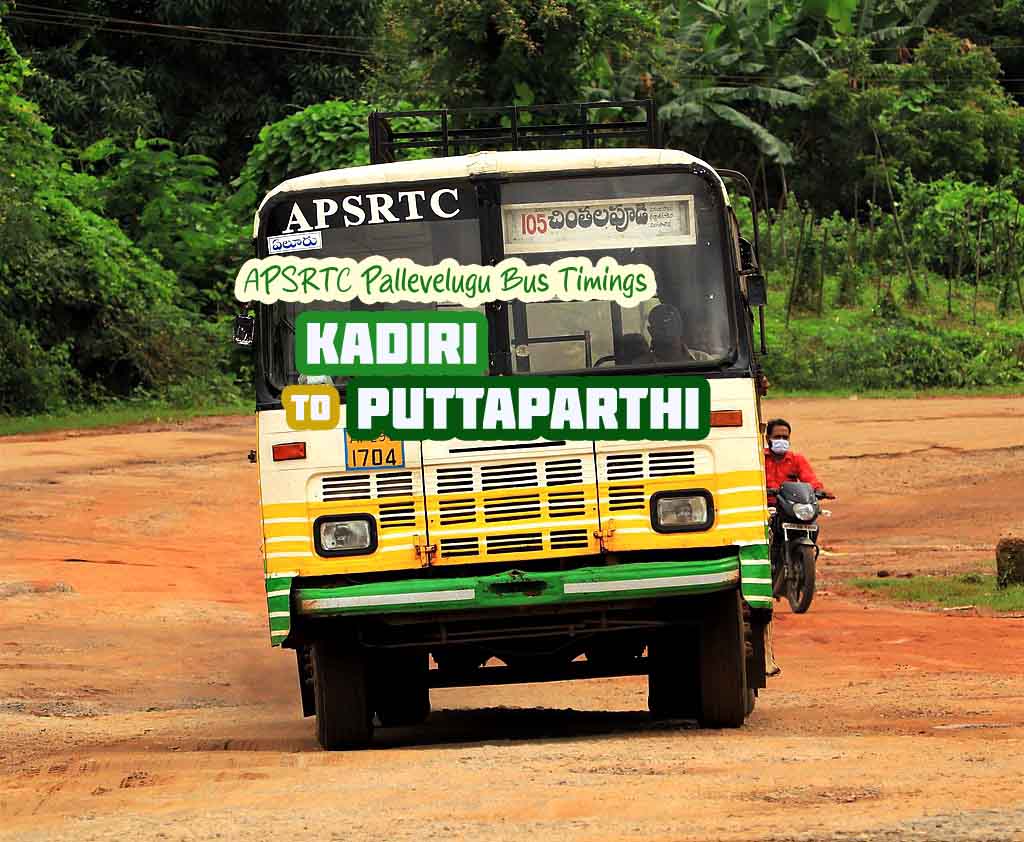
<point x="728" y="67"/>
<point x="209" y="88"/>
<point x="943" y="112"/>
<point x="497" y="52"/>
<point x="83" y="312"/>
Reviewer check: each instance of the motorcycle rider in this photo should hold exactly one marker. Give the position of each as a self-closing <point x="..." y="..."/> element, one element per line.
<point x="783" y="465"/>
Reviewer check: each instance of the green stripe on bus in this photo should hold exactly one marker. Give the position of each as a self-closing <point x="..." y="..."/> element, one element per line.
<point x="753" y="552"/>
<point x="756" y="589"/>
<point x="514" y="588"/>
<point x="278" y="603"/>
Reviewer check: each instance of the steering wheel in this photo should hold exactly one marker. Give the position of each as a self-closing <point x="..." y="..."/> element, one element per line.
<point x="605" y="359"/>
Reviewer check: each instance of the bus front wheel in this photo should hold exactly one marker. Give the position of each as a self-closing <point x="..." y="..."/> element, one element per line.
<point x="340" y="683"/>
<point x="723" y="662"/>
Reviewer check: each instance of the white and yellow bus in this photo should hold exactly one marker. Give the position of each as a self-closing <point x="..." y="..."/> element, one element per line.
<point x="394" y="567"/>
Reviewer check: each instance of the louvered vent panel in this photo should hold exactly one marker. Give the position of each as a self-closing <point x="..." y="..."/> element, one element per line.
<point x="626" y="498"/>
<point x="455" y="481"/>
<point x="394" y="484"/>
<point x="514" y="507"/>
<point x="566" y="504"/>
<point x="367" y="486"/>
<point x="563" y="471"/>
<point x="459" y="510"/>
<point x="520" y="542"/>
<point x="670" y="463"/>
<point x="519" y="475"/>
<point x="565" y="539"/>
<point x="397" y="514"/>
<point x="459" y="547"/>
<point x="619" y="466"/>
<point x="346" y="487"/>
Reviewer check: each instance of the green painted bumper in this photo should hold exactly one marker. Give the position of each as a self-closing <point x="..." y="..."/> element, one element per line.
<point x="514" y="588"/>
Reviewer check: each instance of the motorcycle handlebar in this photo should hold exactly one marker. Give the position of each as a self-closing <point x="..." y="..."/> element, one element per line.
<point x="820" y="495"/>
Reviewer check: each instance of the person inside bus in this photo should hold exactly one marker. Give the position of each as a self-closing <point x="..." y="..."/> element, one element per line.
<point x="665" y="325"/>
<point x="634" y="350"/>
<point x="704" y="342"/>
<point x="783" y="465"/>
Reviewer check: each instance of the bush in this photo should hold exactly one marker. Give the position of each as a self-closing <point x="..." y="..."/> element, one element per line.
<point x="33" y="379"/>
<point x="894" y="352"/>
<point x="327" y="136"/>
<point x="84" y="313"/>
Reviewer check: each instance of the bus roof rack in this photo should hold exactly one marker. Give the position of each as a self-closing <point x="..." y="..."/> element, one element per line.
<point x="514" y="127"/>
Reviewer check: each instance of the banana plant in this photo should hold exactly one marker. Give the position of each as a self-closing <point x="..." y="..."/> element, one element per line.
<point x="730" y="68"/>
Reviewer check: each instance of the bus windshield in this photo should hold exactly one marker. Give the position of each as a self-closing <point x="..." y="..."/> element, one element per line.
<point x="674" y="223"/>
<point x="427" y="242"/>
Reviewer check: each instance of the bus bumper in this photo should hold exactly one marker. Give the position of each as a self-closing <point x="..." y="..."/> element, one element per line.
<point x="516" y="588"/>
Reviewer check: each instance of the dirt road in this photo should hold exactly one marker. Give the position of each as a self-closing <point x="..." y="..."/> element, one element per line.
<point x="139" y="698"/>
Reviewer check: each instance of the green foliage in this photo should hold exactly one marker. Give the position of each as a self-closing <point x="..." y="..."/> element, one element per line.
<point x="84" y="313"/>
<point x="725" y="72"/>
<point x="851" y="286"/>
<point x="171" y="206"/>
<point x="90" y="98"/>
<point x="328" y="136"/>
<point x="891" y="350"/>
<point x="211" y="92"/>
<point x="963" y="228"/>
<point x="475" y="52"/>
<point x="135" y="411"/>
<point x="944" y="112"/>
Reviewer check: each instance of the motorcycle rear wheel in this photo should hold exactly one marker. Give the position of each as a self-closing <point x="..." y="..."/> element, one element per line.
<point x="800" y="587"/>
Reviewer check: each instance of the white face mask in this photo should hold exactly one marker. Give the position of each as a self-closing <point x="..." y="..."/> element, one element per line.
<point x="779" y="446"/>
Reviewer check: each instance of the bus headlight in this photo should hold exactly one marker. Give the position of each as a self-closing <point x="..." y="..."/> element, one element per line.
<point x="337" y="535"/>
<point x="681" y="511"/>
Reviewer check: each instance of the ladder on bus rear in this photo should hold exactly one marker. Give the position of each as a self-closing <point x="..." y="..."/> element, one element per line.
<point x="458" y="131"/>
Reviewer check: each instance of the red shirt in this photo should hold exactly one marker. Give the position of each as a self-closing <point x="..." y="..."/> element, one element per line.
<point x="790" y="468"/>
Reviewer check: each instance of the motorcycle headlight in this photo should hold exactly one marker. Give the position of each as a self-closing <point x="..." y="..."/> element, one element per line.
<point x="804" y="511"/>
<point x="345" y="535"/>
<point x="680" y="512"/>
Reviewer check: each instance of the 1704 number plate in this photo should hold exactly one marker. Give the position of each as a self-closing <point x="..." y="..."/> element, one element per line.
<point x="380" y="454"/>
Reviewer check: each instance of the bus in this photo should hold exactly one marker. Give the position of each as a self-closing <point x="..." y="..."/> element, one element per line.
<point x="396" y="567"/>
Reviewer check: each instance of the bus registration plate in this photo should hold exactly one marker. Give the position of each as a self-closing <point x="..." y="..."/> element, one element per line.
<point x="378" y="455"/>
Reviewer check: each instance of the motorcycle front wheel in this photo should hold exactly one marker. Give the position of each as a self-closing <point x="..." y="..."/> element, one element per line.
<point x="800" y="587"/>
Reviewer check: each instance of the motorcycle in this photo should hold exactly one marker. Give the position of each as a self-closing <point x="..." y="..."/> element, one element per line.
<point x="794" y="542"/>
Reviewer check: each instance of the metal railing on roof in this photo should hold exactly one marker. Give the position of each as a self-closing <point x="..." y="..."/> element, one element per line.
<point x="459" y="131"/>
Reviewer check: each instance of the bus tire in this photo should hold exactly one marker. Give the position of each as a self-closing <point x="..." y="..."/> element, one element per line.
<point x="343" y="716"/>
<point x="723" y="662"/>
<point x="673" y="682"/>
<point x="400" y="692"/>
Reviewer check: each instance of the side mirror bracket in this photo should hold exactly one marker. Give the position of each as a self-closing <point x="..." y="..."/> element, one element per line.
<point x="757" y="289"/>
<point x="244" y="330"/>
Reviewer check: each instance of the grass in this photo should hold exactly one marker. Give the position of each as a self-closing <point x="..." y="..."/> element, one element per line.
<point x="975" y="589"/>
<point x="1009" y="391"/>
<point x="112" y="416"/>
